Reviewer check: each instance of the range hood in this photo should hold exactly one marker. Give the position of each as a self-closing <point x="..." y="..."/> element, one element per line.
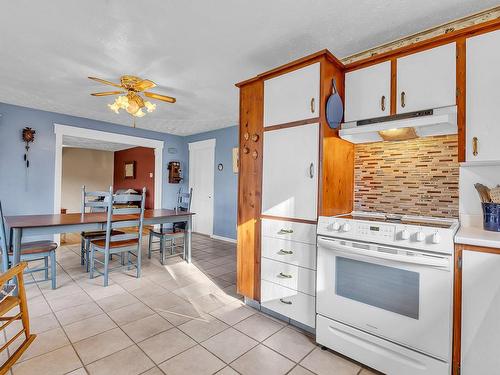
<point x="431" y="122"/>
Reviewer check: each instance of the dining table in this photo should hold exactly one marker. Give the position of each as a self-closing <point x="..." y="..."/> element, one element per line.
<point x="51" y="224"/>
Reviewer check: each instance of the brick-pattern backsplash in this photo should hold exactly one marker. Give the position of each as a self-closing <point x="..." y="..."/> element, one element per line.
<point x="415" y="177"/>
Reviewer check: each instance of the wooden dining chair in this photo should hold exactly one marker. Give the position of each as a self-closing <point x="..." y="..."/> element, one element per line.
<point x="168" y="236"/>
<point x="92" y="201"/>
<point x="8" y="304"/>
<point x="126" y="245"/>
<point x="30" y="252"/>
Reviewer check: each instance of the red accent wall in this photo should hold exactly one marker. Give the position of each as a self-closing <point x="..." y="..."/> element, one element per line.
<point x="144" y="165"/>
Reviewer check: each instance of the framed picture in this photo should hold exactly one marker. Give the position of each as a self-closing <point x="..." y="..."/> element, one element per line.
<point x="129" y="170"/>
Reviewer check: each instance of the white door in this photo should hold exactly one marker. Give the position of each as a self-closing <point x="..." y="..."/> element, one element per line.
<point x="480" y="312"/>
<point x="201" y="180"/>
<point x="427" y="79"/>
<point x="482" y="102"/>
<point x="368" y="92"/>
<point x="290" y="172"/>
<point x="293" y="96"/>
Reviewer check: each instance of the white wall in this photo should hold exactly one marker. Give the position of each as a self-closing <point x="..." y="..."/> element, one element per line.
<point x="92" y="168"/>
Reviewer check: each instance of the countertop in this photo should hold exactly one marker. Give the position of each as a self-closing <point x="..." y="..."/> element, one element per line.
<point x="477" y="236"/>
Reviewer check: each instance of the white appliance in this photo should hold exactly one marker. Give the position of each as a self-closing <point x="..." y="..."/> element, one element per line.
<point x="426" y="123"/>
<point x="384" y="291"/>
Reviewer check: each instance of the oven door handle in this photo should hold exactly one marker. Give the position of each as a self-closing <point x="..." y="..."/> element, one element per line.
<point x="334" y="245"/>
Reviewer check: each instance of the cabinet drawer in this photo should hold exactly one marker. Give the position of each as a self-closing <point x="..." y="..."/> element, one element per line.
<point x="291" y="252"/>
<point x="295" y="305"/>
<point x="293" y="277"/>
<point x="289" y="230"/>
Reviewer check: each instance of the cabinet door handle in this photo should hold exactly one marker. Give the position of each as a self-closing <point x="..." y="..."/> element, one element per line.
<point x="311" y="170"/>
<point x="474" y="146"/>
<point x="312" y="105"/>
<point x="382" y="103"/>
<point x="284" y="275"/>
<point x="285" y="252"/>
<point x="285" y="301"/>
<point x="285" y="231"/>
<point x="403" y="99"/>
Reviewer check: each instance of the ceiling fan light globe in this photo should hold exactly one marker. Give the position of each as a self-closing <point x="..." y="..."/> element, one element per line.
<point x="139" y="113"/>
<point x="133" y="107"/>
<point x="150" y="107"/>
<point x="114" y="107"/>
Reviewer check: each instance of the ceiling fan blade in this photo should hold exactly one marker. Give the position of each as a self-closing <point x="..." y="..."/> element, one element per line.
<point x="164" y="98"/>
<point x="108" y="93"/>
<point x="105" y="82"/>
<point x="144" y="85"/>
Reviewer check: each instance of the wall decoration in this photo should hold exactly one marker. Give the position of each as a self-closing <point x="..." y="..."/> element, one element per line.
<point x="220" y="167"/>
<point x="174" y="172"/>
<point x="129" y="169"/>
<point x="28" y="137"/>
<point x="236" y="159"/>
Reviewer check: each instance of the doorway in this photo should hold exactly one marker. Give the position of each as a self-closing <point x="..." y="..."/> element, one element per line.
<point x="201" y="180"/>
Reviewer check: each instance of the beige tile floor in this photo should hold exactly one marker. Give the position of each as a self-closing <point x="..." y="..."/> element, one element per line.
<point x="176" y="319"/>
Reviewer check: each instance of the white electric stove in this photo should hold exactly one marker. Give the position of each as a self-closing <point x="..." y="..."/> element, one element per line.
<point x="384" y="290"/>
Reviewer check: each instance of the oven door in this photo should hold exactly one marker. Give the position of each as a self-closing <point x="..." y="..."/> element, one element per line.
<point x="401" y="295"/>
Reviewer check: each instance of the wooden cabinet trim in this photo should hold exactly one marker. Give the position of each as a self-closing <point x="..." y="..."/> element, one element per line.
<point x="313" y="120"/>
<point x="394" y="85"/>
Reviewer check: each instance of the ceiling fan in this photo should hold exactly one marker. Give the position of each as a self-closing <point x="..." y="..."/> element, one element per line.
<point x="132" y="101"/>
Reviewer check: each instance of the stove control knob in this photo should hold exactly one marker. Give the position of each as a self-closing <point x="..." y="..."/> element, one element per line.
<point x="405" y="234"/>
<point x="335" y="226"/>
<point x="346" y="227"/>
<point x="436" y="238"/>
<point x="420" y="237"/>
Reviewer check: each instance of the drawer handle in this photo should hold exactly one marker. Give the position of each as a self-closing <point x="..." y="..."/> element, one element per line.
<point x="281" y="274"/>
<point x="382" y="103"/>
<point x="474" y="146"/>
<point x="285" y="301"/>
<point x="311" y="170"/>
<point x="285" y="252"/>
<point x="403" y="99"/>
<point x="312" y="105"/>
<point x="285" y="231"/>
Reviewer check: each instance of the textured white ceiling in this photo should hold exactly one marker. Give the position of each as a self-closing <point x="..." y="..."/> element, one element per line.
<point x="69" y="141"/>
<point x="194" y="50"/>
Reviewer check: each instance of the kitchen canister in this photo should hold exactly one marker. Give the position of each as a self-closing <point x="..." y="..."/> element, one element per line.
<point x="491" y="216"/>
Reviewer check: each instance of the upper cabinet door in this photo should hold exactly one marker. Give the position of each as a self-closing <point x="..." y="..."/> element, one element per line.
<point x="426" y="80"/>
<point x="368" y="92"/>
<point x="293" y="96"/>
<point x="290" y="172"/>
<point x="482" y="98"/>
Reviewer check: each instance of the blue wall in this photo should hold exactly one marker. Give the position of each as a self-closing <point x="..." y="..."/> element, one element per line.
<point x="34" y="193"/>
<point x="226" y="182"/>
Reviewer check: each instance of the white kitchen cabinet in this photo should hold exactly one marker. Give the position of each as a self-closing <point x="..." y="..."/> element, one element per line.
<point x="482" y="99"/>
<point x="290" y="172"/>
<point x="293" y="96"/>
<point x="480" y="312"/>
<point x="368" y="92"/>
<point x="427" y="80"/>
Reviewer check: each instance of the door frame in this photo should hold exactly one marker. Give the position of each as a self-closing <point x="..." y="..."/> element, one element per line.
<point x="74" y="131"/>
<point x="208" y="143"/>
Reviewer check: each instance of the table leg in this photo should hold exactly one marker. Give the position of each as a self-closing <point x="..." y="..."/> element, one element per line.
<point x="188" y="239"/>
<point x="17" y="233"/>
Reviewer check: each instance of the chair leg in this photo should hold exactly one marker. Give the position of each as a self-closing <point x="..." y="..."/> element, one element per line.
<point x="87" y="250"/>
<point x="53" y="268"/>
<point x="46" y="266"/>
<point x="106" y="267"/>
<point x="139" y="260"/>
<point x="150" y="244"/>
<point x="128" y="261"/>
<point x="82" y="251"/>
<point x="172" y="246"/>
<point x="90" y="262"/>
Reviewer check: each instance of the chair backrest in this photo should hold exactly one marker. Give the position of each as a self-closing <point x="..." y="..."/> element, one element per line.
<point x="120" y="204"/>
<point x="94" y="201"/>
<point x="3" y="242"/>
<point x="184" y="200"/>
